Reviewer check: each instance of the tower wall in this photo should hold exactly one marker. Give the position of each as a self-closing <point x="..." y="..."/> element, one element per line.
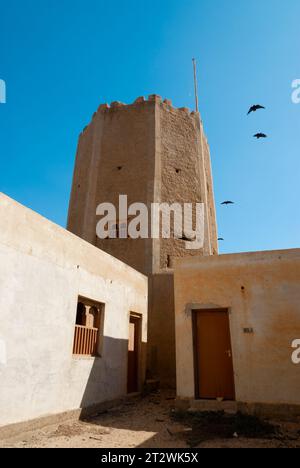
<point x="115" y="156"/>
<point x="150" y="152"/>
<point x="184" y="175"/>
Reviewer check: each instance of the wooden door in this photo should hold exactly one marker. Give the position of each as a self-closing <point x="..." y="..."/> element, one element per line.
<point x="133" y="354"/>
<point x="214" y="376"/>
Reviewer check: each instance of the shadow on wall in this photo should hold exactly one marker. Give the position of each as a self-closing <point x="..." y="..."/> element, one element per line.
<point x="108" y="379"/>
<point x="108" y="376"/>
<point x="161" y="330"/>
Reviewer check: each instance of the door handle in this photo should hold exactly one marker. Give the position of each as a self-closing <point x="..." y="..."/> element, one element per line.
<point x="228" y="352"/>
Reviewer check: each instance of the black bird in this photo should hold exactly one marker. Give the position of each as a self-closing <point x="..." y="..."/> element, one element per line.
<point x="255" y="108"/>
<point x="220" y="239"/>
<point x="260" y="135"/>
<point x="227" y="202"/>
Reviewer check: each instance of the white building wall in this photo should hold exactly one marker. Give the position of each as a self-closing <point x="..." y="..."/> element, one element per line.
<point x="43" y="270"/>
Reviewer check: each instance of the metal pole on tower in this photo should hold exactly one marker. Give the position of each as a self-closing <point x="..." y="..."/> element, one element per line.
<point x="196" y="84"/>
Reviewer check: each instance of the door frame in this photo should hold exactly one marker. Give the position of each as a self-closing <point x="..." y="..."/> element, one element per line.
<point x="139" y="320"/>
<point x="194" y="311"/>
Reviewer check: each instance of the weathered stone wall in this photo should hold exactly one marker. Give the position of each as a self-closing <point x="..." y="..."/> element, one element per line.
<point x="80" y="185"/>
<point x="210" y="202"/>
<point x="43" y="271"/>
<point x="115" y="157"/>
<point x="185" y="176"/>
<point x="151" y="152"/>
<point x="262" y="292"/>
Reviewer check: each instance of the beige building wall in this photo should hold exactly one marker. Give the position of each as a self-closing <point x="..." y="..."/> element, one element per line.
<point x="262" y="292"/>
<point x="154" y="153"/>
<point x="43" y="271"/>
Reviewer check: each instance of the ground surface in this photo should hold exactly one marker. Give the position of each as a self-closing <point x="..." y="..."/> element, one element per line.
<point x="150" y="422"/>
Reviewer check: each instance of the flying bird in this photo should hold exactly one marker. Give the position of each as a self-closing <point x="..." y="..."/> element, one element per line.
<point x="260" y="135"/>
<point x="227" y="202"/>
<point x="255" y="108"/>
<point x="220" y="239"/>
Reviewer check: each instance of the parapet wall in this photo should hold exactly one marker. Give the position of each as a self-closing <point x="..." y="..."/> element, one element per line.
<point x="152" y="99"/>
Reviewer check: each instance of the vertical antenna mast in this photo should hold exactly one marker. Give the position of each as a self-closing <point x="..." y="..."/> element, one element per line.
<point x="196" y="85"/>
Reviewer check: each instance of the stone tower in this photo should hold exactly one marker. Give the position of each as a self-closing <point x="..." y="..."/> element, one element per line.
<point x="150" y="152"/>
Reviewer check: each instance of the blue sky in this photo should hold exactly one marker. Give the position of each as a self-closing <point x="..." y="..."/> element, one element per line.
<point x="60" y="60"/>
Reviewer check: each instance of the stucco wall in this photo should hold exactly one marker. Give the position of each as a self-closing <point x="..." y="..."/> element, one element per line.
<point x="43" y="270"/>
<point x="261" y="291"/>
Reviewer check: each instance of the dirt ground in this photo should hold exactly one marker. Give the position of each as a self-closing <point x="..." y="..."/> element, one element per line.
<point x="150" y="422"/>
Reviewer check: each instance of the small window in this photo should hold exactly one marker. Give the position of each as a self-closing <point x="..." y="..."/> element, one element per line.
<point x="89" y="328"/>
<point x="184" y="238"/>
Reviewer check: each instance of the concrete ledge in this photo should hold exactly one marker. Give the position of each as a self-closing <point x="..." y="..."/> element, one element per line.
<point x="213" y="405"/>
<point x="271" y="411"/>
<point x="12" y="430"/>
<point x="196" y="406"/>
<point x="264" y="410"/>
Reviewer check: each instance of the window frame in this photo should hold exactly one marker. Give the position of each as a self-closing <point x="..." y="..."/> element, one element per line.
<point x="100" y="306"/>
